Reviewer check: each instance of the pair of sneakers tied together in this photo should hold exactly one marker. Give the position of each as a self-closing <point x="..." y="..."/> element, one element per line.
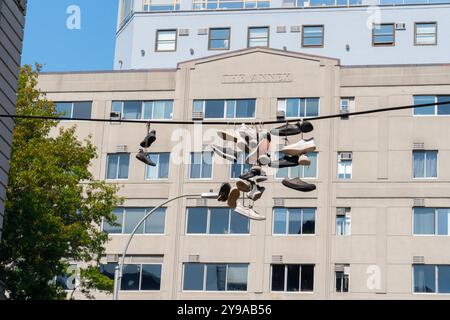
<point x="295" y="154"/>
<point x="146" y="143"/>
<point x="248" y="183"/>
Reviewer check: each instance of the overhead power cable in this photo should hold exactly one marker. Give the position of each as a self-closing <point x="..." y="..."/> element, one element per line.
<point x="172" y="122"/>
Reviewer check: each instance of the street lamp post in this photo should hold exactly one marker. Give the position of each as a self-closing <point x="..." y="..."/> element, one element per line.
<point x="118" y="272"/>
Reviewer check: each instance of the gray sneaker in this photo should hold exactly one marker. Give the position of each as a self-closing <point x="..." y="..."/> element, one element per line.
<point x="256" y="192"/>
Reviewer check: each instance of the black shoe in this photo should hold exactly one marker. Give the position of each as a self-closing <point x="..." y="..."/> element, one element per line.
<point x="224" y="191"/>
<point x="287" y="129"/>
<point x="143" y="157"/>
<point x="255" y="171"/>
<point x="285" y="162"/>
<point x="299" y="185"/>
<point x="226" y="153"/>
<point x="149" y="139"/>
<point x="306" y="126"/>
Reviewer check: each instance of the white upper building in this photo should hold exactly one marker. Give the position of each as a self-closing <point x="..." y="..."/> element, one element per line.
<point x="162" y="33"/>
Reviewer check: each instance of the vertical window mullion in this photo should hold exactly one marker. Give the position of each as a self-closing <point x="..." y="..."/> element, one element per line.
<point x="140" y="276"/>
<point x="301" y="221"/>
<point x="71" y="110"/>
<point x="118" y="166"/>
<point x="208" y="221"/>
<point x="436" y="278"/>
<point x="285" y="277"/>
<point x="205" y="270"/>
<point x="300" y="278"/>
<point x="123" y="220"/>
<point x="226" y="277"/>
<point x="229" y="221"/>
<point x="287" y="220"/>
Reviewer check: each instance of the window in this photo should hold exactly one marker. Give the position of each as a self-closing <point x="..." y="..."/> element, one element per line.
<point x="343" y="222"/>
<point x="239" y="167"/>
<point x="230" y="4"/>
<point x="294" y="221"/>
<point x="437" y="110"/>
<point x="424" y="164"/>
<point x="77" y="110"/>
<point x="347" y="105"/>
<point x="345" y="160"/>
<point x="431" y="278"/>
<point x="136" y="277"/>
<point x="161" y="5"/>
<point x="425" y="33"/>
<point x="293" y="277"/>
<point x="117" y="166"/>
<point x="128" y="218"/>
<point x="304" y="172"/>
<point x="215" y="277"/>
<point x="432" y="221"/>
<point x="216" y="221"/>
<point x="226" y="109"/>
<point x="219" y="39"/>
<point x="342" y="277"/>
<point x="201" y="165"/>
<point x="161" y="171"/>
<point x="312" y="36"/>
<point x="145" y="110"/>
<point x="166" y="40"/>
<point x="299" y="107"/>
<point x="383" y="34"/>
<point x="126" y="8"/>
<point x="258" y="37"/>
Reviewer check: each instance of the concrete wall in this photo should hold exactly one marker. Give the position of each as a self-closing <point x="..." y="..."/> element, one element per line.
<point x="342" y="26"/>
<point x="380" y="195"/>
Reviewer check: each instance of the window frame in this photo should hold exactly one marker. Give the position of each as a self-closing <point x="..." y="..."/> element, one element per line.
<point x="339" y="161"/>
<point x="436" y="98"/>
<point x="302" y="168"/>
<point x="287" y="234"/>
<point x="140" y="277"/>
<point x="384" y="44"/>
<point x="436" y="280"/>
<point x="258" y="27"/>
<point x="118" y="166"/>
<point x="209" y="39"/>
<point x="436" y="223"/>
<point x="205" y="275"/>
<point x="225" y="101"/>
<point x="285" y="265"/>
<point x="425" y="167"/>
<point x="176" y="6"/>
<point x="335" y="281"/>
<point x="147" y="168"/>
<point x="243" y="164"/>
<point x="435" y="34"/>
<point x="282" y="105"/>
<point x="208" y="224"/>
<point x="322" y="44"/>
<point x="147" y="210"/>
<point x="157" y="39"/>
<point x="72" y="103"/>
<point x="347" y="217"/>
<point x="190" y="166"/>
<point x="142" y="102"/>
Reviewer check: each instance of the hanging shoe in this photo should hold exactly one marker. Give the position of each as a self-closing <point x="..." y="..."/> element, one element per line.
<point x="256" y="192"/>
<point x="226" y="153"/>
<point x="306" y="127"/>
<point x="254" y="171"/>
<point x="285" y="162"/>
<point x="233" y="196"/>
<point x="143" y="157"/>
<point x="258" y="179"/>
<point x="301" y="147"/>
<point x="244" y="185"/>
<point x="228" y="135"/>
<point x="288" y="129"/>
<point x="249" y="213"/>
<point x="223" y="192"/>
<point x="242" y="145"/>
<point x="149" y="139"/>
<point x="303" y="160"/>
<point x="248" y="134"/>
<point x="299" y="185"/>
<point x="260" y="153"/>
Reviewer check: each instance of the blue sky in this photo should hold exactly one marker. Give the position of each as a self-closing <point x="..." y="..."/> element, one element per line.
<point x="49" y="42"/>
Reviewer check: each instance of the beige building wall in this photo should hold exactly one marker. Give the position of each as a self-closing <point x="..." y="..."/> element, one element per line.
<point x="381" y="193"/>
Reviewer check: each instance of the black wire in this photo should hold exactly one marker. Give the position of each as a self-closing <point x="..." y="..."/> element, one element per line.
<point x="339" y="115"/>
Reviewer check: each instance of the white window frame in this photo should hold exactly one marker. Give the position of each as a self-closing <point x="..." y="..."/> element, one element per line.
<point x="302" y="170"/>
<point x="147" y="168"/>
<point x="300" y="265"/>
<point x="350" y="104"/>
<point x="345" y="273"/>
<point x="208" y="224"/>
<point x="175" y="6"/>
<point x="72" y="105"/>
<point x="346" y="227"/>
<point x="436" y="224"/>
<point x="118" y="166"/>
<point x="282" y="106"/>
<point x="225" y="107"/>
<point x="287" y="234"/>
<point x="212" y="166"/>
<point x="124" y="212"/>
<point x="140" y="277"/>
<point x="435" y="114"/>
<point x="435" y="34"/>
<point x="205" y="270"/>
<point x="241" y="156"/>
<point x="344" y="164"/>
<point x="436" y="280"/>
<point x="425" y="167"/>
<point x="250" y="38"/>
<point x="142" y="102"/>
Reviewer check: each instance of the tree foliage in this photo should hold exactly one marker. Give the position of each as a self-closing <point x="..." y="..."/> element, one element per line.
<point x="54" y="206"/>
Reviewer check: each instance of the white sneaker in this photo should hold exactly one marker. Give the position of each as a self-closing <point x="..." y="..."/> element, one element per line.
<point x="303" y="160"/>
<point x="228" y="135"/>
<point x="301" y="147"/>
<point x="250" y="213"/>
<point x="249" y="133"/>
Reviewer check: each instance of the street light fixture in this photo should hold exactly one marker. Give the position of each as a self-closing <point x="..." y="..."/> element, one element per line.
<point x="118" y="272"/>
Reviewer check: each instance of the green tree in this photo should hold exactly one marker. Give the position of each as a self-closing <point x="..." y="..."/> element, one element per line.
<point x="53" y="206"/>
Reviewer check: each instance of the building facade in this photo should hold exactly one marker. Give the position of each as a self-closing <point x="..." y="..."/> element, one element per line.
<point x="376" y="227"/>
<point x="12" y="22"/>
<point x="159" y="34"/>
